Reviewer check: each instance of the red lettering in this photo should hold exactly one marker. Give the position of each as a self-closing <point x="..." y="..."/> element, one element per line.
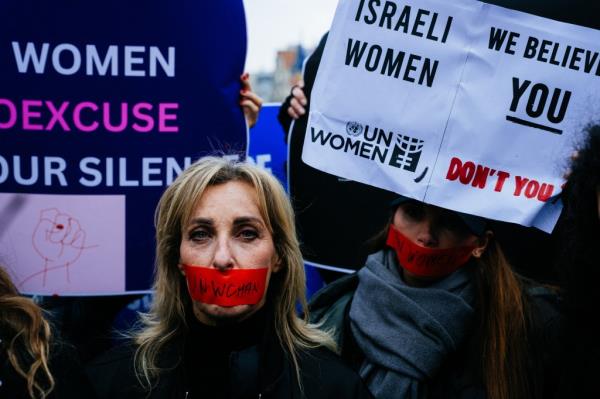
<point x="467" y="172"/>
<point x="454" y="169"/>
<point x="502" y="176"/>
<point x="545" y="192"/>
<point x="520" y="184"/>
<point x="481" y="176"/>
<point x="532" y="189"/>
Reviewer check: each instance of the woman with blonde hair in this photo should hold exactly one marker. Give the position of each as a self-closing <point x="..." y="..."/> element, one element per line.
<point x="228" y="278"/>
<point x="33" y="364"/>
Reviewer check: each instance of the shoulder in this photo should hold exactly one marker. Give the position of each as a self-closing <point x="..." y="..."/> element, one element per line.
<point x="324" y="375"/>
<point x="67" y="370"/>
<point x="545" y="305"/>
<point x="112" y="374"/>
<point x="341" y="289"/>
<point x="120" y="355"/>
<point x="329" y="306"/>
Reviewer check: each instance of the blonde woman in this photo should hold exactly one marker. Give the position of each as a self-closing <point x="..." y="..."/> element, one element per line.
<point x="223" y="324"/>
<point x="32" y="364"/>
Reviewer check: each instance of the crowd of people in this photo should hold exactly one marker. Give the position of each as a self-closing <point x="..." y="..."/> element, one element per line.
<point x="434" y="310"/>
<point x="402" y="326"/>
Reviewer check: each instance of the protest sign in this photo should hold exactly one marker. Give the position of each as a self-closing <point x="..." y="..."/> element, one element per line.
<point x="464" y="105"/>
<point x="266" y="144"/>
<point x="102" y="104"/>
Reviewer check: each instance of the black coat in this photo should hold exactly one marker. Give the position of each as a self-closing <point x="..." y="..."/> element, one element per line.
<point x="261" y="371"/>
<point x="70" y="380"/>
<point x="319" y="196"/>
<point x="460" y="375"/>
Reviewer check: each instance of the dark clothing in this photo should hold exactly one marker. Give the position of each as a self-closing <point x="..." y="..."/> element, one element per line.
<point x="347" y="206"/>
<point x="310" y="73"/>
<point x="459" y="374"/>
<point x="70" y="380"/>
<point x="240" y="361"/>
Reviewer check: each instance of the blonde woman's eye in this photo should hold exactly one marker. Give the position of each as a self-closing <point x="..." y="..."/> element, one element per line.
<point x="199" y="235"/>
<point x="248" y="234"/>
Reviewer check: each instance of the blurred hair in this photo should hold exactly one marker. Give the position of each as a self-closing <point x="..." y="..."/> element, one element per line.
<point x="582" y="225"/>
<point x="28" y="338"/>
<point x="167" y="316"/>
<point x="580" y="268"/>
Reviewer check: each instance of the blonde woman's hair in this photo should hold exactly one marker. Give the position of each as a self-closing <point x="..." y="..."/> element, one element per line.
<point x="167" y="316"/>
<point x="28" y="338"/>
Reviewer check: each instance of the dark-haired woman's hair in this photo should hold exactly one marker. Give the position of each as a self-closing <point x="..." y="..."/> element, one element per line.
<point x="580" y="265"/>
<point x="502" y="326"/>
<point x="27" y="336"/>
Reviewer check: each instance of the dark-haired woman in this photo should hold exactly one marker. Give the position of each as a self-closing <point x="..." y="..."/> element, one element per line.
<point x="437" y="312"/>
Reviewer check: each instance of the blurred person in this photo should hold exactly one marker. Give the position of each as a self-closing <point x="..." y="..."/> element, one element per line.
<point x="317" y="195"/>
<point x="34" y="364"/>
<point x="580" y="270"/>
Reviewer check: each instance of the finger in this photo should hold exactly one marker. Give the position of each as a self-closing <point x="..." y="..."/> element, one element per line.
<point x="292" y="113"/>
<point x="246" y="84"/>
<point x="300" y="110"/>
<point x="74" y="231"/>
<point x="79" y="240"/>
<point x="250" y="95"/>
<point x="250" y="106"/>
<point x="49" y="214"/>
<point x="298" y="94"/>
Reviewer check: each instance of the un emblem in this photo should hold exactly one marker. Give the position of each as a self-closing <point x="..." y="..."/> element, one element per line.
<point x="354" y="128"/>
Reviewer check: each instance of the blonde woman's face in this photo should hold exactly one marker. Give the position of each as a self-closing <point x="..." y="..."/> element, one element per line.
<point x="227" y="231"/>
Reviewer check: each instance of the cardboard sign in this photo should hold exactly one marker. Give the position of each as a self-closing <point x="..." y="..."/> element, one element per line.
<point x="102" y="105"/>
<point x="463" y="105"/>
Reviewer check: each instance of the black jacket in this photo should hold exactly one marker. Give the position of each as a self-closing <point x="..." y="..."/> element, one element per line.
<point x="317" y="195"/>
<point x="70" y="380"/>
<point x="460" y="376"/>
<point x="258" y="371"/>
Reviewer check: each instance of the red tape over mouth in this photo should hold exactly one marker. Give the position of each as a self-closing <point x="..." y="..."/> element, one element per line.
<point x="427" y="262"/>
<point x="231" y="287"/>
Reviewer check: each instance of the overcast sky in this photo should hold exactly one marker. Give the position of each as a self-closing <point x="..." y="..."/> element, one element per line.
<point x="275" y="24"/>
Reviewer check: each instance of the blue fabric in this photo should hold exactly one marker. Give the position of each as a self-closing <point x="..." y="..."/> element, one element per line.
<point x="406" y="332"/>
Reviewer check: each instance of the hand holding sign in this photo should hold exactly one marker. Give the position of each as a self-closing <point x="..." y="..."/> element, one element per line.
<point x="298" y="101"/>
<point x="463" y="128"/>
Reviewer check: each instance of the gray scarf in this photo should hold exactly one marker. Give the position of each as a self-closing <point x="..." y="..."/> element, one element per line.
<point x="405" y="332"/>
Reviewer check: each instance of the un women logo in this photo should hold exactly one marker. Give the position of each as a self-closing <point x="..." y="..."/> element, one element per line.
<point x="354" y="128"/>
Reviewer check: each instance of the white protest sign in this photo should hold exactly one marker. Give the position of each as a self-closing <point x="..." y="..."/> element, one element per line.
<point x="464" y="105"/>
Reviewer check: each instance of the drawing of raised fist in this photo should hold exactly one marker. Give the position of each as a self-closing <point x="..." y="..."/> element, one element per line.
<point x="58" y="238"/>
